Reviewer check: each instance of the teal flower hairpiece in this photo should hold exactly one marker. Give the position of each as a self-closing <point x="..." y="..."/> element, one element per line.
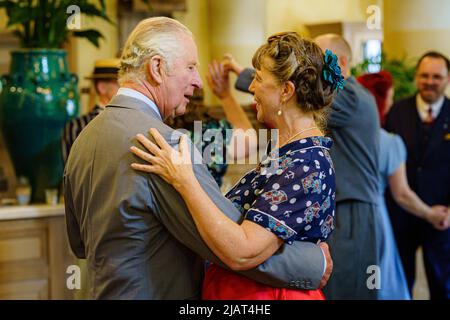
<point x="332" y="72"/>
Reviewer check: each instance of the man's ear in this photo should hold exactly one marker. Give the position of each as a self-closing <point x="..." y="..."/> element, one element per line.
<point x="343" y="63"/>
<point x="155" y="68"/>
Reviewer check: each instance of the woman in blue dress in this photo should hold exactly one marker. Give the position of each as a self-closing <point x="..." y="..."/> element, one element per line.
<point x="290" y="195"/>
<point x="392" y="158"/>
<point x="393" y="281"/>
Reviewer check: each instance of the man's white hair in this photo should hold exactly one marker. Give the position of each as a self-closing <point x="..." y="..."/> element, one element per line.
<point x="152" y="36"/>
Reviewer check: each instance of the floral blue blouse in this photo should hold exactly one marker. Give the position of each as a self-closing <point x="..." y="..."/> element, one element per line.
<point x="291" y="192"/>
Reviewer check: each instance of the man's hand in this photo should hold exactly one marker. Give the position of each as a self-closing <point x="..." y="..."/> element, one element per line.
<point x="329" y="269"/>
<point x="439" y="217"/>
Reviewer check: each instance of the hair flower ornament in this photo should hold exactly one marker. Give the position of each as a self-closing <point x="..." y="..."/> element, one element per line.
<point x="332" y="72"/>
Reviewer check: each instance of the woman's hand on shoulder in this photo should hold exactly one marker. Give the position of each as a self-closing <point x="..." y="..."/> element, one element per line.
<point x="174" y="166"/>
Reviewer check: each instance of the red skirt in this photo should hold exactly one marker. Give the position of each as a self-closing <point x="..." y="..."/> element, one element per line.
<point x="222" y="284"/>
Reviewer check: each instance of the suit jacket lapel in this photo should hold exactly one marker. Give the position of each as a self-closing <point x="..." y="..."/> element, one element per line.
<point x="440" y="126"/>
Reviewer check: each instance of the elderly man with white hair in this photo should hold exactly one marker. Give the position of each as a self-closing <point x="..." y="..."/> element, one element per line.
<point x="134" y="229"/>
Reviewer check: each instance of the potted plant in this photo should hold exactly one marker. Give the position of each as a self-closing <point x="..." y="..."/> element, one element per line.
<point x="402" y="71"/>
<point x="40" y="95"/>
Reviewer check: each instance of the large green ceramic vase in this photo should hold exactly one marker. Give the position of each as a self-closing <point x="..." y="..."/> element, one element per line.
<point x="37" y="98"/>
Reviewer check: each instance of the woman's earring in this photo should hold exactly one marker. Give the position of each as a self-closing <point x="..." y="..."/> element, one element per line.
<point x="279" y="110"/>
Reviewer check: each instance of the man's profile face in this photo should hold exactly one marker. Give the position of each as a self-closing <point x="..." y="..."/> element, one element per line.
<point x="107" y="88"/>
<point x="181" y="80"/>
<point x="432" y="78"/>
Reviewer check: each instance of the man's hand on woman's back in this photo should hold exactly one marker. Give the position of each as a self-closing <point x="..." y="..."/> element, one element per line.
<point x="329" y="268"/>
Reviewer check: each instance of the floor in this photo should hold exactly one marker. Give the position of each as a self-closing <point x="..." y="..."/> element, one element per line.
<point x="420" y="291"/>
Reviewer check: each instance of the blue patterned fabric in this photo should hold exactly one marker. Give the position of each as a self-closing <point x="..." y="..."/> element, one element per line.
<point x="291" y="192"/>
<point x="215" y="161"/>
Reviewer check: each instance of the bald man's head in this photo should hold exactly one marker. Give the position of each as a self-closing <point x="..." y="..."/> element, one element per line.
<point x="340" y="47"/>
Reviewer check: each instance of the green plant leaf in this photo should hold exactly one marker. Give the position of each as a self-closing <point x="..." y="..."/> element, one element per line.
<point x="91" y="10"/>
<point x="20" y="15"/>
<point x="19" y="34"/>
<point x="7" y="4"/>
<point x="93" y="36"/>
<point x="402" y="71"/>
<point x="43" y="23"/>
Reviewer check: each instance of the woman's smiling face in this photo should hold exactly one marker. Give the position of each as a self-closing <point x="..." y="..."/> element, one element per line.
<point x="267" y="93"/>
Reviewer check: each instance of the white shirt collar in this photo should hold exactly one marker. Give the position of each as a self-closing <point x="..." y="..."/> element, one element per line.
<point x="137" y="95"/>
<point x="422" y="107"/>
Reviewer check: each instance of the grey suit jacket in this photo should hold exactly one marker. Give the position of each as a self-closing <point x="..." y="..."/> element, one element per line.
<point x="355" y="128"/>
<point x="134" y="229"/>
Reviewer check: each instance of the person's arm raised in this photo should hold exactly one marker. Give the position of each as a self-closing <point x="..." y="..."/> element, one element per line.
<point x="244" y="138"/>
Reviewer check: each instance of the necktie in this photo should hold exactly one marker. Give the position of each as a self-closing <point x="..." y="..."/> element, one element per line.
<point x="429" y="117"/>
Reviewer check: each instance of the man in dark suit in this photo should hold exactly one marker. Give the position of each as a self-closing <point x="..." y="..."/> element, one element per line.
<point x="134" y="229"/>
<point x="423" y="121"/>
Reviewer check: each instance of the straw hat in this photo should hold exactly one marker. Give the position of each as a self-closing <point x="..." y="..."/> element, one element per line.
<point x="105" y="69"/>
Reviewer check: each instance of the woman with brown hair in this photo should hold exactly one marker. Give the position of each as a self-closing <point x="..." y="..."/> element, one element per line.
<point x="290" y="195"/>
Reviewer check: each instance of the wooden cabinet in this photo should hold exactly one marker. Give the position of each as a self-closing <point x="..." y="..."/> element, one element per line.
<point x="34" y="256"/>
